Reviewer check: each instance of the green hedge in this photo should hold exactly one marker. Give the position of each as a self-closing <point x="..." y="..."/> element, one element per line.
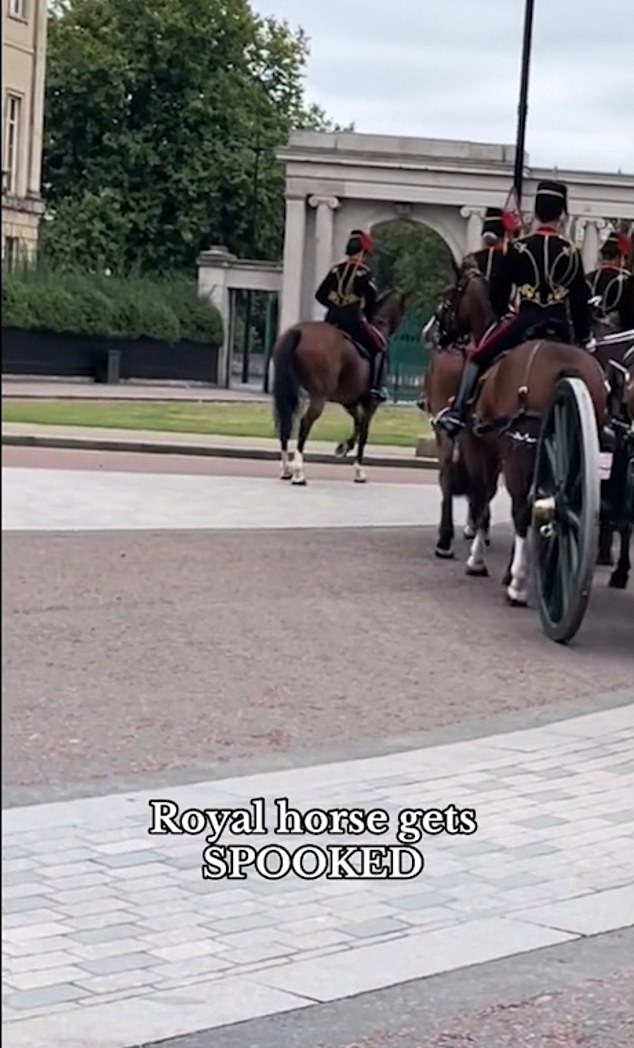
<point x="86" y="304"/>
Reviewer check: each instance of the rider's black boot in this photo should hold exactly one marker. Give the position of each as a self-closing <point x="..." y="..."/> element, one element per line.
<point x="451" y="420"/>
<point x="376" y="367"/>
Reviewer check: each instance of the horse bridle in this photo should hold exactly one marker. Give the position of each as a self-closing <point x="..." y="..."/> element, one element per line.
<point x="447" y="313"/>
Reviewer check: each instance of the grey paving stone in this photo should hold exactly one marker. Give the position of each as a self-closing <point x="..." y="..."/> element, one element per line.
<point x="102" y="986"/>
<point x="368" y="929"/>
<point x="132" y="858"/>
<point x="14" y="886"/>
<point x="542" y="822"/>
<point x="110" y="965"/>
<point x="186" y="950"/>
<point x="618" y="817"/>
<point x="261" y="952"/>
<point x="44" y="977"/>
<point x="530" y="851"/>
<point x="243" y="924"/>
<point x="25" y="904"/>
<point x="110" y="919"/>
<point x="108" y="904"/>
<point x="44" y="996"/>
<point x="39" y="962"/>
<point x="114" y="948"/>
<point x="27" y="932"/>
<point x="14" y="851"/>
<point x="29" y="917"/>
<point x="108" y="934"/>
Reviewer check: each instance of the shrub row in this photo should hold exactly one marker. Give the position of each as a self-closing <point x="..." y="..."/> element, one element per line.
<point x="88" y="304"/>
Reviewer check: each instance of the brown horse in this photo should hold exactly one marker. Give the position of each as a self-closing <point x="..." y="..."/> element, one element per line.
<point x="320" y="359"/>
<point x="441" y="382"/>
<point x="505" y="418"/>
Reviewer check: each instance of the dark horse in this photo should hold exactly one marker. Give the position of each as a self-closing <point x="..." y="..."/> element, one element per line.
<point x="505" y="418"/>
<point x="320" y="359"/>
<point x="442" y="378"/>
<point x="615" y="352"/>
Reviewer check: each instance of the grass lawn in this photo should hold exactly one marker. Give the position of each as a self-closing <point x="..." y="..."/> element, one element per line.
<point x="400" y="426"/>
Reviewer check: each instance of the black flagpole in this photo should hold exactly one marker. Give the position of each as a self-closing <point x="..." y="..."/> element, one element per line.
<point x="518" y="176"/>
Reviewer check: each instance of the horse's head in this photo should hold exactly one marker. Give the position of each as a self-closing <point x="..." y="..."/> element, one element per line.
<point x="388" y="311"/>
<point x="464" y="307"/>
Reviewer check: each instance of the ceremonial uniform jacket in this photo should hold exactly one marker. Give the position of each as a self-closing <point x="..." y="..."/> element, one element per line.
<point x="348" y="290"/>
<point x="490" y="261"/>
<point x="547" y="272"/>
<point x="615" y="286"/>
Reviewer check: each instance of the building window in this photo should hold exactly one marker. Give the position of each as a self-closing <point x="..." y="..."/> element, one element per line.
<point x="12" y="155"/>
<point x="11" y="252"/>
<point x="17" y="8"/>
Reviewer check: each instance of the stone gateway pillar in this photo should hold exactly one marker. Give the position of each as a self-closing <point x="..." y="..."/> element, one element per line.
<point x="293" y="266"/>
<point x="324" y="220"/>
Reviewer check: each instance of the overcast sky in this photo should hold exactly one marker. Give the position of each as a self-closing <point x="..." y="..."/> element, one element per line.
<point x="451" y="68"/>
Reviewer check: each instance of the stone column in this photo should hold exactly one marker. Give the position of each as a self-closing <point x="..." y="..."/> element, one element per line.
<point x="36" y="118"/>
<point x="293" y="267"/>
<point x="591" y="243"/>
<point x="212" y="284"/>
<point x="324" y="219"/>
<point x="475" y="218"/>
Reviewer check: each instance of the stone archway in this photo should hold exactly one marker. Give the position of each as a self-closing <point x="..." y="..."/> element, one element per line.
<point x="336" y="182"/>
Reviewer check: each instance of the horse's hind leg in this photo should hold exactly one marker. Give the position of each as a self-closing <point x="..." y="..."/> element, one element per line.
<point x="313" y="411"/>
<point x="470" y="528"/>
<point x="476" y="564"/>
<point x="605" y="545"/>
<point x="518" y="471"/>
<point x="621" y="573"/>
<point x="444" y="545"/>
<point x="346" y="446"/>
<point x="365" y="417"/>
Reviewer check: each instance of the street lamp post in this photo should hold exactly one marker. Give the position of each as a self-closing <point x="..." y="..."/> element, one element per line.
<point x="253" y="246"/>
<point x="518" y="176"/>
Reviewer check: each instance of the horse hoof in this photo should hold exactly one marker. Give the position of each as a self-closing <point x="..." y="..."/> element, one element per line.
<point x="518" y="601"/>
<point x="286" y="476"/>
<point x="617" y="581"/>
<point x="479" y="571"/>
<point x="444" y="554"/>
<point x="506" y="581"/>
<point x="360" y="480"/>
<point x="341" y="451"/>
<point x="301" y="483"/>
<point x="604" y="560"/>
<point x="487" y="542"/>
<point x="468" y="534"/>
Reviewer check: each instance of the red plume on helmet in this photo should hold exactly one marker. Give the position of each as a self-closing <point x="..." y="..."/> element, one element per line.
<point x="366" y="241"/>
<point x="624" y="244"/>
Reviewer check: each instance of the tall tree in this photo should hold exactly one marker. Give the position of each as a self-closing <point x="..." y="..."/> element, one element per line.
<point x="162" y="119"/>
<point x="414" y="259"/>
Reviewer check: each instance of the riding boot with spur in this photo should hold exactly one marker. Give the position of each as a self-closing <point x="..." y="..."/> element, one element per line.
<point x="451" y="420"/>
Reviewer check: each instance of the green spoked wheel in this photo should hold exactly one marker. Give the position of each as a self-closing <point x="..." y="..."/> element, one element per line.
<point x="566" y="510"/>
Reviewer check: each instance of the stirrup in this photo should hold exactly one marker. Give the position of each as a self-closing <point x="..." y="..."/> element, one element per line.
<point x="450" y="423"/>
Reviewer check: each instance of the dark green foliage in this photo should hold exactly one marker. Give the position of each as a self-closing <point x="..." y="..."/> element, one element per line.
<point x="81" y="303"/>
<point x="414" y="259"/>
<point x="161" y="117"/>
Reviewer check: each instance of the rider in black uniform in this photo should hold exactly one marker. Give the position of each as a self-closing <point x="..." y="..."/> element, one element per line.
<point x="613" y="282"/>
<point x="348" y="292"/>
<point x="490" y="258"/>
<point x="547" y="271"/>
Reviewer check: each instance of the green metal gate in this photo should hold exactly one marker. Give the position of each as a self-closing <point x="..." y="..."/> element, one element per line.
<point x="407" y="358"/>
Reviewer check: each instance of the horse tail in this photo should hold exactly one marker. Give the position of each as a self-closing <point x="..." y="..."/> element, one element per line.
<point x="286" y="384"/>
